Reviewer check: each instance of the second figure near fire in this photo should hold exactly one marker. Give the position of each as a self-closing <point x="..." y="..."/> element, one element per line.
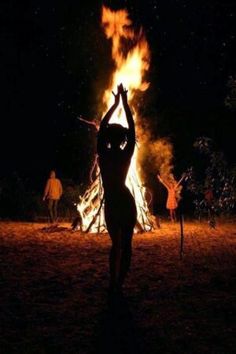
<point x="115" y="147"/>
<point x="172" y="202"/>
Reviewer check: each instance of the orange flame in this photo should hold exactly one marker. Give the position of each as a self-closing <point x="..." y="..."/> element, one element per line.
<point x="130" y="65"/>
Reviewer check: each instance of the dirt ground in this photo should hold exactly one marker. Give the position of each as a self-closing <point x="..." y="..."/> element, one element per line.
<point x="54" y="292"/>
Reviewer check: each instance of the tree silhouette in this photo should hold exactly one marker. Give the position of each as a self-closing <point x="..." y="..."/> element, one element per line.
<point x="213" y="183"/>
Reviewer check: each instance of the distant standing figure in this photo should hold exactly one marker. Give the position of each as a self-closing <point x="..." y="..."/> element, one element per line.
<point x="209" y="200"/>
<point x="52" y="192"/>
<point x="209" y="196"/>
<point x="115" y="147"/>
<point x="171" y="203"/>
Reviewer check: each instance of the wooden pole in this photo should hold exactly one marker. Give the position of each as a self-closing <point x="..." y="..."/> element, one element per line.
<point x="181" y="220"/>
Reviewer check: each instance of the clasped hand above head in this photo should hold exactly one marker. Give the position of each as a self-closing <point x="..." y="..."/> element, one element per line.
<point x="121" y="91"/>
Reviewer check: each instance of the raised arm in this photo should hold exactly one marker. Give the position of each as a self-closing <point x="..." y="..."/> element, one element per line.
<point x="110" y="112"/>
<point x="161" y="180"/>
<point x="129" y="117"/>
<point x="101" y="144"/>
<point x="181" y="179"/>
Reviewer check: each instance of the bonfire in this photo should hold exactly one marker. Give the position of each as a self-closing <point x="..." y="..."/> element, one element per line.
<point x="131" y="66"/>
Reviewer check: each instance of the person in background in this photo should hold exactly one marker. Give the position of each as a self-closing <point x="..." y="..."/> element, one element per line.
<point x="209" y="201"/>
<point x="172" y="202"/>
<point x="52" y="192"/>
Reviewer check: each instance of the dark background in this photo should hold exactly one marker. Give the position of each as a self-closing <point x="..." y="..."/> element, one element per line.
<point x="56" y="63"/>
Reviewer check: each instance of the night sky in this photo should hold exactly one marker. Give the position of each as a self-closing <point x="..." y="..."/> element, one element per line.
<point x="56" y="63"/>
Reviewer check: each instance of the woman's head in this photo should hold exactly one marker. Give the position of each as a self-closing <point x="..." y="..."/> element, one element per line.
<point x="52" y="174"/>
<point x="116" y="136"/>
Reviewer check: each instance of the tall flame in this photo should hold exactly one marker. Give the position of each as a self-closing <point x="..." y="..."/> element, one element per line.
<point x="130" y="67"/>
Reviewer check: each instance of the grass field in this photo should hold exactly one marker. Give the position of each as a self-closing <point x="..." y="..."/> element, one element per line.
<point x="54" y="291"/>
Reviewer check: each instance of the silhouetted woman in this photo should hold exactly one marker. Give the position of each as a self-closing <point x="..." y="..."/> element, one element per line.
<point x="115" y="148"/>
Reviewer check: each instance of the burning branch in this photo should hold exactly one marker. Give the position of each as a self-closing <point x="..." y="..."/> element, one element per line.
<point x="90" y="122"/>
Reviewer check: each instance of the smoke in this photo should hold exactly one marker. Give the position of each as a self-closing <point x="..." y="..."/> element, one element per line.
<point x="161" y="152"/>
<point x="156" y="157"/>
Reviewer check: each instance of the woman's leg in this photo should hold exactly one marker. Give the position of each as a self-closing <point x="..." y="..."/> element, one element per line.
<point x="120" y="224"/>
<point x="172" y="215"/>
<point x="50" y="209"/>
<point x="126" y="253"/>
<point x="55" y="204"/>
<point x="113" y="229"/>
<point x="115" y="258"/>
